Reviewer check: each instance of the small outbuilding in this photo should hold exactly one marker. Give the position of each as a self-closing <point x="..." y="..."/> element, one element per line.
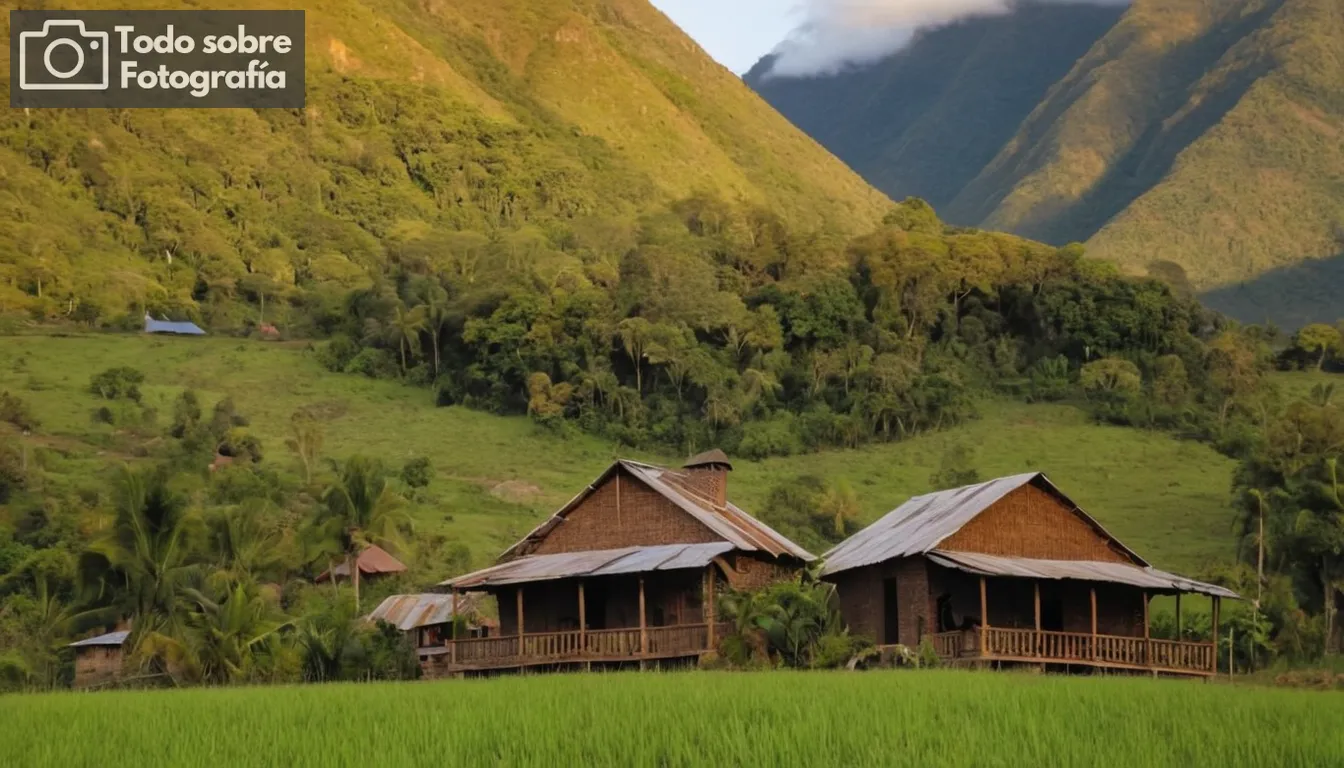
<point x="373" y="561"/>
<point x="98" y="660"/>
<point x="171" y="328"/>
<point x="427" y="620"/>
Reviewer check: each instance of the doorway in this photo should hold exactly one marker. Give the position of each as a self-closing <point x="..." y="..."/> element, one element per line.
<point x="1052" y="611"/>
<point x="891" y="616"/>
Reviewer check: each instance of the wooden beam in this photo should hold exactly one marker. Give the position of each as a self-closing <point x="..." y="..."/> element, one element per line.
<point x="455" y="614"/>
<point x="1147" y="632"/>
<point x="1178" y="615"/>
<point x="452" y="654"/>
<point x="1037" y="643"/>
<point x="1215" y="634"/>
<point x="520" y="619"/>
<point x="643" y="628"/>
<point x="583" y="621"/>
<point x="984" y="615"/>
<point x="1094" y="622"/>
<point x="707" y="610"/>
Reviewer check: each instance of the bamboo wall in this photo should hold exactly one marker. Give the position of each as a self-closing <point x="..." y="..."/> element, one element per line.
<point x="96" y="665"/>
<point x="862" y="594"/>
<point x="642" y="517"/>
<point x="1030" y="522"/>
<point x="752" y="571"/>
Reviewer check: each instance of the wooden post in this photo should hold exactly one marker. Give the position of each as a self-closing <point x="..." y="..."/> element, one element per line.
<point x="643" y="630"/>
<point x="1094" y="623"/>
<point x="1215" y="634"/>
<point x="1147" y="633"/>
<point x="520" y="620"/>
<point x="1178" y="616"/>
<point x="708" y="608"/>
<point x="452" y="655"/>
<point x="984" y="615"/>
<point x="583" y="621"/>
<point x="1036" y="646"/>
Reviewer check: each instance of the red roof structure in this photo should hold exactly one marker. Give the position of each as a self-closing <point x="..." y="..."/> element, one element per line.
<point x="373" y="561"/>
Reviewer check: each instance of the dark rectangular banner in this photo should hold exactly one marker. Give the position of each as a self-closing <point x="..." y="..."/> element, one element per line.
<point x="74" y="59"/>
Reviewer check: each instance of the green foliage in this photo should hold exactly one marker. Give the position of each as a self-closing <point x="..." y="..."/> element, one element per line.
<point x="118" y="383"/>
<point x="813" y="512"/>
<point x="15" y="411"/>
<point x="417" y="472"/>
<point x="791" y="623"/>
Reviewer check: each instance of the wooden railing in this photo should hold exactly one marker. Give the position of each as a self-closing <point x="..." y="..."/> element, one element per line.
<point x="1078" y="647"/>
<point x="572" y="645"/>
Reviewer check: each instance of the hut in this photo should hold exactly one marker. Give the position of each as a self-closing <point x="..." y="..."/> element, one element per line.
<point x="171" y="328"/>
<point x="427" y="620"/>
<point x="1011" y="571"/>
<point x="372" y="561"/>
<point x="625" y="573"/>
<point x="98" y="660"/>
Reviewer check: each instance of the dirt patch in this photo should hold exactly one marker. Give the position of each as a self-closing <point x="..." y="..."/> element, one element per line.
<point x="516" y="491"/>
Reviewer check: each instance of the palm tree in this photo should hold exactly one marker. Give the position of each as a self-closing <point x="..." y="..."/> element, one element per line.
<point x="436" y="316"/>
<point x="139" y="567"/>
<point x="407" y="325"/>
<point x="245" y="548"/>
<point x="225" y="632"/>
<point x="358" y="510"/>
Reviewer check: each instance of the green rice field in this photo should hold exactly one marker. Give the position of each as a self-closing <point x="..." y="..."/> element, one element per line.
<point x="930" y="718"/>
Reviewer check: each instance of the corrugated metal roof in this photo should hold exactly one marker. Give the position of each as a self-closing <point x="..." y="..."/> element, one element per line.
<point x="111" y="638"/>
<point x="1080" y="570"/>
<point x="605" y="562"/>
<point x="407" y="612"/>
<point x="373" y="560"/>
<point x="730" y="522"/>
<point x="919" y="525"/>
<point x="166" y="326"/>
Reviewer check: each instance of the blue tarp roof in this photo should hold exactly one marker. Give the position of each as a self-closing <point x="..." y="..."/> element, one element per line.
<point x="165" y="326"/>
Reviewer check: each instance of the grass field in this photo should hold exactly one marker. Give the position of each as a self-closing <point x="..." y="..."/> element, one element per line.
<point x="932" y="718"/>
<point x="497" y="476"/>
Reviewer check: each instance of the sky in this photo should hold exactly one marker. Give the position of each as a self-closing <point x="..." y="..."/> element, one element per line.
<point x="737" y="33"/>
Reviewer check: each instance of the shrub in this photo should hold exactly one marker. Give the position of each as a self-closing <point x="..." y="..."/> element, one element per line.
<point x="417" y="472"/>
<point x="15" y="411"/>
<point x="118" y="383"/>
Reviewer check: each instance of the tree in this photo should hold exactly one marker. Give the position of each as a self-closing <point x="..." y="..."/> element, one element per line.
<point x="408" y="324"/>
<point x="307" y="434"/>
<point x="1111" y="375"/>
<point x="436" y="317"/>
<point x="358" y="510"/>
<point x="635" y="334"/>
<point x="1320" y="340"/>
<point x="138" y="568"/>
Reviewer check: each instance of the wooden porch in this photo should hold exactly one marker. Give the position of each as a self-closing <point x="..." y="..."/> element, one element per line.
<point x="594" y="646"/>
<point x="985" y="645"/>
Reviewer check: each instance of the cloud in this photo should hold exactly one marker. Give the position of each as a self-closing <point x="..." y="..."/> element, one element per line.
<point x="840" y="33"/>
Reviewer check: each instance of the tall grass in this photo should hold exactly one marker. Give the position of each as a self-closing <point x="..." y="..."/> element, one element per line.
<point x="894" y="718"/>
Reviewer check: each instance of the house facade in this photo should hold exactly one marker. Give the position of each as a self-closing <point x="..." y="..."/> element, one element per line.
<point x="625" y="573"/>
<point x="99" y="660"/>
<point x="1011" y="571"/>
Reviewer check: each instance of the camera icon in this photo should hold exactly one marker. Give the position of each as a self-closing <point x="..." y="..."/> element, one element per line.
<point x="64" y="56"/>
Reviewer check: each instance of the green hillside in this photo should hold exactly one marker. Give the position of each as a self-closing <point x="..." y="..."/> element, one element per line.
<point x="496" y="477"/>
<point x="1203" y="135"/>
<point x="433" y="131"/>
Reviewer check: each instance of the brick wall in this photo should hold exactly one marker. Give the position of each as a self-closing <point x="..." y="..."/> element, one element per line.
<point x="1030" y="522"/>
<point x="641" y="518"/>
<point x="752" y="571"/>
<point x="863" y="600"/>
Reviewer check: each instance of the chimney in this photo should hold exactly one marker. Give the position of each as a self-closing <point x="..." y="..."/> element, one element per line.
<point x="708" y="474"/>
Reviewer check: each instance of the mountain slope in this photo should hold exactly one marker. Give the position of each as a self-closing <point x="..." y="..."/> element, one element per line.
<point x="425" y="120"/>
<point x="1197" y="134"/>
<point x="927" y="120"/>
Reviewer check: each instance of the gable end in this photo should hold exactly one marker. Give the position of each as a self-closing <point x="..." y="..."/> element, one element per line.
<point x="1031" y="522"/>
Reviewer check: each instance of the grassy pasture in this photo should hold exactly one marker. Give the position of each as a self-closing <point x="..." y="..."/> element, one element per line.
<point x="933" y="718"/>
<point x="499" y="476"/>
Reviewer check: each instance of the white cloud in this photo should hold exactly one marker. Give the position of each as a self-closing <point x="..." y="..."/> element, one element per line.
<point x="839" y="33"/>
